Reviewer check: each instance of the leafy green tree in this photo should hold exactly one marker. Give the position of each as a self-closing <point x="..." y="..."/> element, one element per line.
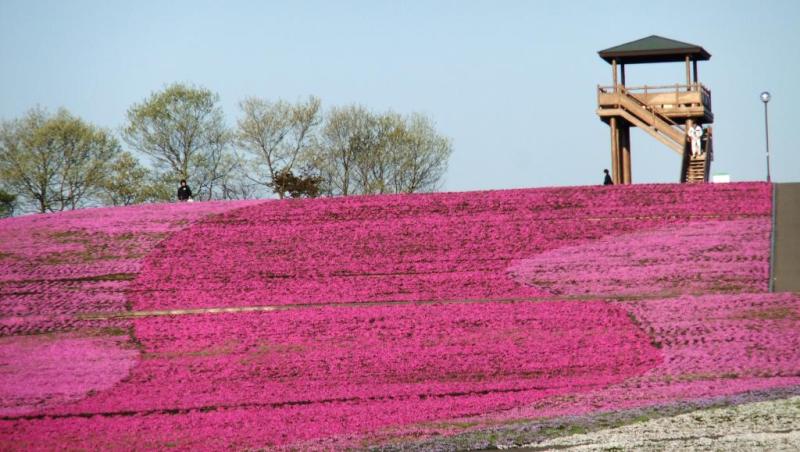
<point x="182" y="129"/>
<point x="304" y="185"/>
<point x="7" y="203"/>
<point x="54" y="162"/>
<point x="129" y="182"/>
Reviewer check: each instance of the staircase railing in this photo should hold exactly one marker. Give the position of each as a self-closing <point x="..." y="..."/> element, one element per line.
<point x="662" y="123"/>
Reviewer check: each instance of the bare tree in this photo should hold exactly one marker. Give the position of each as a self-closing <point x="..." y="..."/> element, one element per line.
<point x="365" y="153"/>
<point x="183" y="129"/>
<point x="277" y="134"/>
<point x="347" y="138"/>
<point x="54" y="162"/>
<point x="237" y="184"/>
<point x="420" y="156"/>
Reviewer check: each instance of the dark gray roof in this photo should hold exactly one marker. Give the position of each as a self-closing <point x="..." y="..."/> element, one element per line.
<point x="654" y="49"/>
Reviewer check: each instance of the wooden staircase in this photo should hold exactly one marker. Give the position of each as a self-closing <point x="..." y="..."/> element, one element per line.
<point x="696" y="169"/>
<point x="621" y="103"/>
<point x="645" y="117"/>
<point x="654" y="123"/>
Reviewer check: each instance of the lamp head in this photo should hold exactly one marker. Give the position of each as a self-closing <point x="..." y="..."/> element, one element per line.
<point x="765" y="96"/>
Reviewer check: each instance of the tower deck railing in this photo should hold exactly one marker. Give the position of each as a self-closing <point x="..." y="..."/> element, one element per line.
<point x="677" y="101"/>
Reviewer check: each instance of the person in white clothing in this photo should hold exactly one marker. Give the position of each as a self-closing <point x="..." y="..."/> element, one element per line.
<point x="695" y="134"/>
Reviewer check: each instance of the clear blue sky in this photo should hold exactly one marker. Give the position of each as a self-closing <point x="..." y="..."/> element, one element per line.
<point x="511" y="82"/>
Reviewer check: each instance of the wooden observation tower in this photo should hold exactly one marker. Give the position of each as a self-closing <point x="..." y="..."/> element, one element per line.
<point x="668" y="113"/>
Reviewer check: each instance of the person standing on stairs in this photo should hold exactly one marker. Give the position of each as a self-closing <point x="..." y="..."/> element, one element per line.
<point x="704" y="141"/>
<point x="695" y="134"/>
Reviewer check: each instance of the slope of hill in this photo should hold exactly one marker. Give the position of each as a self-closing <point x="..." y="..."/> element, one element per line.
<point x="368" y="321"/>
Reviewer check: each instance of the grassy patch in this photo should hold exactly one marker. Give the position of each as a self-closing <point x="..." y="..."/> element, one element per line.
<point x="563" y="430"/>
<point x="9" y="256"/>
<point x="69" y="236"/>
<point x="451" y="425"/>
<point x="98" y="246"/>
<point x="110" y="277"/>
<point x="775" y="313"/>
<point x="94" y="278"/>
<point x="226" y="348"/>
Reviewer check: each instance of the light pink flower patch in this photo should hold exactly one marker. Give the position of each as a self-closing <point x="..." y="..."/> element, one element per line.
<point x="697" y="257"/>
<point x="712" y="346"/>
<point x="39" y="372"/>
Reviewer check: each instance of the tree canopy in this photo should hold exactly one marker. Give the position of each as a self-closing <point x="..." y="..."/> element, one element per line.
<point x="183" y="129"/>
<point x="7" y="203"/>
<point x="361" y="152"/>
<point x="54" y="162"/>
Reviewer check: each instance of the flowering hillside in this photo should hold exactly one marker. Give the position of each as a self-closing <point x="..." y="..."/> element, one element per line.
<point x="384" y="320"/>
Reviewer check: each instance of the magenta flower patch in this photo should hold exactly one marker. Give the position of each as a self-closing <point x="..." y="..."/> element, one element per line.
<point x="449" y="246"/>
<point x="503" y="354"/>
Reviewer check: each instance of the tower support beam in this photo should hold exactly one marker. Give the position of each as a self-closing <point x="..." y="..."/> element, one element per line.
<point x="615" y="154"/>
<point x="625" y="148"/>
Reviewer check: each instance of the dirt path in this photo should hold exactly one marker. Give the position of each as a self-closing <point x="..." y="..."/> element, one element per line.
<point x="361" y="304"/>
<point x="786" y="254"/>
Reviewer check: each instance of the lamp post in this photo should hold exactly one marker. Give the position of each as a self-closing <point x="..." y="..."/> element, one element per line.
<point x="765" y="97"/>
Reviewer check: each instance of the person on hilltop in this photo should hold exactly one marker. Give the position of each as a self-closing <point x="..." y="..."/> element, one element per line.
<point x="184" y="192"/>
<point x="607" y="180"/>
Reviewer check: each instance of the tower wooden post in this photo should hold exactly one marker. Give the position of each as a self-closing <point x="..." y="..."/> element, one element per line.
<point x="625" y="145"/>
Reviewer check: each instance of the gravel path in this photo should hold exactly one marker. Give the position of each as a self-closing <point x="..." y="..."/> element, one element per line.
<point x="771" y="425"/>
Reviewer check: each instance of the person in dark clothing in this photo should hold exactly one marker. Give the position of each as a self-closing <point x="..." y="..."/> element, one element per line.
<point x="184" y="192"/>
<point x="607" y="180"/>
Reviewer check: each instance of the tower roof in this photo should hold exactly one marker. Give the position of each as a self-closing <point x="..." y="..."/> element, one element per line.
<point x="654" y="49"/>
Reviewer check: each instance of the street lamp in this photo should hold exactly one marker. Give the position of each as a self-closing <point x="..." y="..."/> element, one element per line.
<point x="765" y="97"/>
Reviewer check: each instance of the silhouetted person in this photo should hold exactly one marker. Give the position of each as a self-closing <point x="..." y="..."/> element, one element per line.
<point x="607" y="180"/>
<point x="184" y="192"/>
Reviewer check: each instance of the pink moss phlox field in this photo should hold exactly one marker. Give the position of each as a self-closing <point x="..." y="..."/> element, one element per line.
<point x="743" y="335"/>
<point x="712" y="345"/>
<point x="450" y="246"/>
<point x="55" y="266"/>
<point x="708" y="346"/>
<point x="420" y="338"/>
<point x="697" y="257"/>
<point x="399" y="364"/>
<point x="313" y="355"/>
